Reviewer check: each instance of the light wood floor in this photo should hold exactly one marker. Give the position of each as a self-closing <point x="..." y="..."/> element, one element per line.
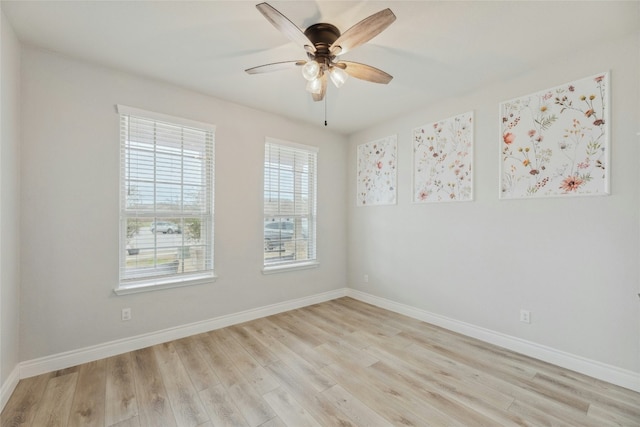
<point x="339" y="363"/>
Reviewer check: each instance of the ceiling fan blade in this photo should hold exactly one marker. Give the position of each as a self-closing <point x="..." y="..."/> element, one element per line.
<point x="364" y="72"/>
<point x="320" y="96"/>
<point x="276" y="66"/>
<point x="362" y="32"/>
<point x="285" y="26"/>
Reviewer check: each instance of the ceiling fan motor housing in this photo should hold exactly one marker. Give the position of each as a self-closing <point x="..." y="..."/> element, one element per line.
<point x="322" y="36"/>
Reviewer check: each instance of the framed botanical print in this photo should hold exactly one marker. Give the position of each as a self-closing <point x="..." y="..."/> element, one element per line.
<point x="443" y="160"/>
<point x="376" y="172"/>
<point x="556" y="142"/>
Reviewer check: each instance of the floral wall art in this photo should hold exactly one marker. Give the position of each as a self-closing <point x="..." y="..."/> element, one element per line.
<point x="556" y="142"/>
<point x="377" y="172"/>
<point x="442" y="160"/>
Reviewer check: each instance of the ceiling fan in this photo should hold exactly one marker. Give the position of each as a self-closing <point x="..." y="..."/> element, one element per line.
<point x="324" y="44"/>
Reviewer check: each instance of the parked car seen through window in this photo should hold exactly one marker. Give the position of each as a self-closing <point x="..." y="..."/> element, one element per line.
<point x="165" y="227"/>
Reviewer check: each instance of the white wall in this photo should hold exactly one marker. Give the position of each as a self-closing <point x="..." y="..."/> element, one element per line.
<point x="572" y="262"/>
<point x="70" y="208"/>
<point x="9" y="202"/>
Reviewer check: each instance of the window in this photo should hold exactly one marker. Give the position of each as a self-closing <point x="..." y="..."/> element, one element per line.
<point x="166" y="201"/>
<point x="289" y="205"/>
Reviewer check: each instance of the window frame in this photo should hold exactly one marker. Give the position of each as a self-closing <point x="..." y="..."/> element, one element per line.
<point x="311" y="215"/>
<point x="157" y="282"/>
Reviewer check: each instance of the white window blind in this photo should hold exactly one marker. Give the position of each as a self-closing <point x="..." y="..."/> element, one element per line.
<point x="290" y="180"/>
<point x="166" y="200"/>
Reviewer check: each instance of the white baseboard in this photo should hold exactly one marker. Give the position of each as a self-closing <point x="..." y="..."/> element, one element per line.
<point x="612" y="374"/>
<point x="88" y="354"/>
<point x="9" y="386"/>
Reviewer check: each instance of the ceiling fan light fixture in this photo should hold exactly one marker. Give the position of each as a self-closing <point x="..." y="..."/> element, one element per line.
<point x="314" y="86"/>
<point x="310" y="70"/>
<point x="323" y="43"/>
<point x="338" y="76"/>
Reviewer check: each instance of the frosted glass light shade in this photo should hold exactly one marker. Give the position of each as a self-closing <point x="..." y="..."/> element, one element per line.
<point x="314" y="86"/>
<point x="310" y="70"/>
<point x="338" y="76"/>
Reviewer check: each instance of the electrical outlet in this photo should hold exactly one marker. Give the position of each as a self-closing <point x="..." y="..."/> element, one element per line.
<point x="366" y="278"/>
<point x="126" y="314"/>
<point x="525" y="316"/>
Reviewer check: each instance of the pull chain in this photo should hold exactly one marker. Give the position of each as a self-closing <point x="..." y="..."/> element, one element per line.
<point x="325" y="108"/>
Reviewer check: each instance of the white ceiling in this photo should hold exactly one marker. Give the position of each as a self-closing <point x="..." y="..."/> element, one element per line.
<point x="434" y="50"/>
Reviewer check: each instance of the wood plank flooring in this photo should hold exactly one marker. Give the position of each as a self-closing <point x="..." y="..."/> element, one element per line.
<point x="340" y="363"/>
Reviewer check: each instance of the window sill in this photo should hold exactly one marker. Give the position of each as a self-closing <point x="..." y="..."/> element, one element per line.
<point x="157" y="285"/>
<point x="290" y="267"/>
